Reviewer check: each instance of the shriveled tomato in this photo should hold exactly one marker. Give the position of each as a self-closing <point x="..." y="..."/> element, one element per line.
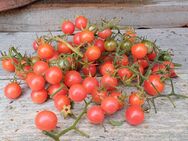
<point x="67" y="27"/>
<point x="92" y="53"/>
<point x="81" y="22"/>
<point x="153" y="85"/>
<point x="39" y="97"/>
<point x="77" y="93"/>
<point x="12" y="90"/>
<point x="134" y="115"/>
<point x="109" y="105"/>
<point x="45" y="51"/>
<point x="40" y="67"/>
<point x="53" y="75"/>
<point x="139" y="50"/>
<point x="36" y="82"/>
<point x="98" y="95"/>
<point x="89" y="69"/>
<point x="90" y="83"/>
<point x="72" y="77"/>
<point x="76" y="38"/>
<point x="95" y="114"/>
<point x="135" y="99"/>
<point x="107" y="68"/>
<point x="8" y="64"/>
<point x="86" y="36"/>
<point x="54" y="88"/>
<point x="124" y="73"/>
<point x="60" y="101"/>
<point x="109" y="82"/>
<point x="46" y="120"/>
<point x="100" y="44"/>
<point x="105" y="33"/>
<point x="63" y="48"/>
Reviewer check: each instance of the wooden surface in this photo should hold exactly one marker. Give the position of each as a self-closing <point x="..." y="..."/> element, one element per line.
<point x="169" y="124"/>
<point x="146" y="13"/>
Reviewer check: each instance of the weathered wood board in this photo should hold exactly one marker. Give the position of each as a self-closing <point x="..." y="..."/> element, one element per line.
<point x="169" y="124"/>
<point x="162" y="13"/>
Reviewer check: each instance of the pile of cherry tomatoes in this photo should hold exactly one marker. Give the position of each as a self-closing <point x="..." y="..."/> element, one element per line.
<point x="89" y="63"/>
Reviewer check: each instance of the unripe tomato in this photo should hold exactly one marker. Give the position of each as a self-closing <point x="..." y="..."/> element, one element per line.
<point x="110" y="45"/>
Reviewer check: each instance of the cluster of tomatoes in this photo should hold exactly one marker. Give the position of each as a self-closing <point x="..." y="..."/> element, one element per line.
<point x="90" y="63"/>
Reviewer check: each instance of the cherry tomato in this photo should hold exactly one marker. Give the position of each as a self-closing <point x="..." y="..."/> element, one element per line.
<point x="8" y="64"/>
<point x="81" y="22"/>
<point x="100" y="44"/>
<point x="134" y="115"/>
<point x="35" y="45"/>
<point x="36" y="82"/>
<point x="107" y="68"/>
<point x="40" y="67"/>
<point x="126" y="46"/>
<point x="150" y="45"/>
<point x="109" y="82"/>
<point x="89" y="69"/>
<point x="124" y="73"/>
<point x="86" y="36"/>
<point x="98" y="95"/>
<point x="53" y="88"/>
<point x="90" y="83"/>
<point x="139" y="50"/>
<point x="46" y="120"/>
<point x="143" y="63"/>
<point x="53" y="75"/>
<point x="40" y="96"/>
<point x="157" y="85"/>
<point x="119" y="97"/>
<point x="110" y="105"/>
<point x="62" y="48"/>
<point x="29" y="76"/>
<point x="77" y="93"/>
<point x="95" y="114"/>
<point x="170" y="67"/>
<point x="105" y="33"/>
<point x="35" y="59"/>
<point x="12" y="90"/>
<point x="152" y="56"/>
<point x="76" y="38"/>
<point x="22" y="72"/>
<point x="72" y="77"/>
<point x="45" y="51"/>
<point x="92" y="53"/>
<point x="135" y="99"/>
<point x="123" y="60"/>
<point x="67" y="27"/>
<point x="60" y="101"/>
<point x="110" y="45"/>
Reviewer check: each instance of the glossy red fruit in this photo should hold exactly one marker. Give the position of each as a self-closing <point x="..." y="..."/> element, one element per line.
<point x="86" y="36"/>
<point x="40" y="67"/>
<point x="135" y="99"/>
<point x="119" y="97"/>
<point x="123" y="61"/>
<point x="36" y="82"/>
<point x="109" y="105"/>
<point x="139" y="50"/>
<point x="60" y="101"/>
<point x="105" y="33"/>
<point x="107" y="68"/>
<point x="109" y="82"/>
<point x="89" y="69"/>
<point x="81" y="22"/>
<point x="92" y="53"/>
<point x="100" y="44"/>
<point x="67" y="27"/>
<point x="95" y="114"/>
<point x="12" y="90"/>
<point x="152" y="56"/>
<point x="77" y="93"/>
<point x="98" y="95"/>
<point x="124" y="73"/>
<point x="45" y="51"/>
<point x="72" y="77"/>
<point x="54" y="75"/>
<point x="62" y="48"/>
<point x="39" y="97"/>
<point x="76" y="38"/>
<point x="90" y="83"/>
<point x="8" y="64"/>
<point x="53" y="88"/>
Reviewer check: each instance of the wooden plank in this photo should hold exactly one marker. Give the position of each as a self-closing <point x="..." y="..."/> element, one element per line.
<point x="48" y="16"/>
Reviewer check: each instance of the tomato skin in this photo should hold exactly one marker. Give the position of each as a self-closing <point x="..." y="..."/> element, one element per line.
<point x="139" y="50"/>
<point x="54" y="75"/>
<point x="72" y="77"/>
<point x="155" y="80"/>
<point x="86" y="36"/>
<point x="134" y="115"/>
<point x="67" y="27"/>
<point x="12" y="90"/>
<point x="109" y="105"/>
<point x="53" y="88"/>
<point x="95" y="115"/>
<point x="107" y="68"/>
<point x="45" y="51"/>
<point x="92" y="53"/>
<point x="109" y="82"/>
<point x="40" y="96"/>
<point x="123" y="61"/>
<point x="76" y="38"/>
<point x="8" y="65"/>
<point x="105" y="33"/>
<point x="100" y="44"/>
<point x="98" y="95"/>
<point x="62" y="48"/>
<point x="150" y="45"/>
<point x="77" y="93"/>
<point x="110" y="45"/>
<point x="90" y="83"/>
<point x="40" y="67"/>
<point x="143" y="62"/>
<point x="117" y="95"/>
<point x="81" y="22"/>
<point x="60" y="101"/>
<point x="89" y="70"/>
<point x="29" y="76"/>
<point x="124" y="73"/>
<point x="46" y="120"/>
<point x="126" y="46"/>
<point x="135" y="99"/>
<point x="36" y="82"/>
<point x="152" y="56"/>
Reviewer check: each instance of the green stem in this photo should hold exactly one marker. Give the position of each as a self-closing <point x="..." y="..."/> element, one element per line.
<point x="52" y="135"/>
<point x="58" y="90"/>
<point x="81" y="132"/>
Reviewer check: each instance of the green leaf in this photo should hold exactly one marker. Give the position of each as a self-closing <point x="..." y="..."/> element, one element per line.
<point x="177" y="65"/>
<point x="116" y="123"/>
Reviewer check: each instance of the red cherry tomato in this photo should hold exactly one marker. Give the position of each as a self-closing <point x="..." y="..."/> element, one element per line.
<point x="105" y="33"/>
<point x="54" y="75"/>
<point x="8" y="64"/>
<point x="139" y="50"/>
<point x="98" y="95"/>
<point x="72" y="77"/>
<point x="92" y="53"/>
<point x="109" y="82"/>
<point x="77" y="93"/>
<point x="81" y="22"/>
<point x="90" y="83"/>
<point x="36" y="82"/>
<point x="12" y="90"/>
<point x="53" y="88"/>
<point x="46" y="120"/>
<point x="60" y="101"/>
<point x="40" y="67"/>
<point x="89" y="69"/>
<point x="95" y="114"/>
<point x="124" y="73"/>
<point x="67" y="27"/>
<point x="100" y="44"/>
<point x="123" y="61"/>
<point x="135" y="99"/>
<point x="76" y="38"/>
<point x="45" y="51"/>
<point x="143" y="63"/>
<point x="134" y="115"/>
<point x="110" y="105"/>
<point x="86" y="36"/>
<point x="119" y="97"/>
<point x="39" y="97"/>
<point x="107" y="68"/>
<point x="62" y="48"/>
<point x="152" y="56"/>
